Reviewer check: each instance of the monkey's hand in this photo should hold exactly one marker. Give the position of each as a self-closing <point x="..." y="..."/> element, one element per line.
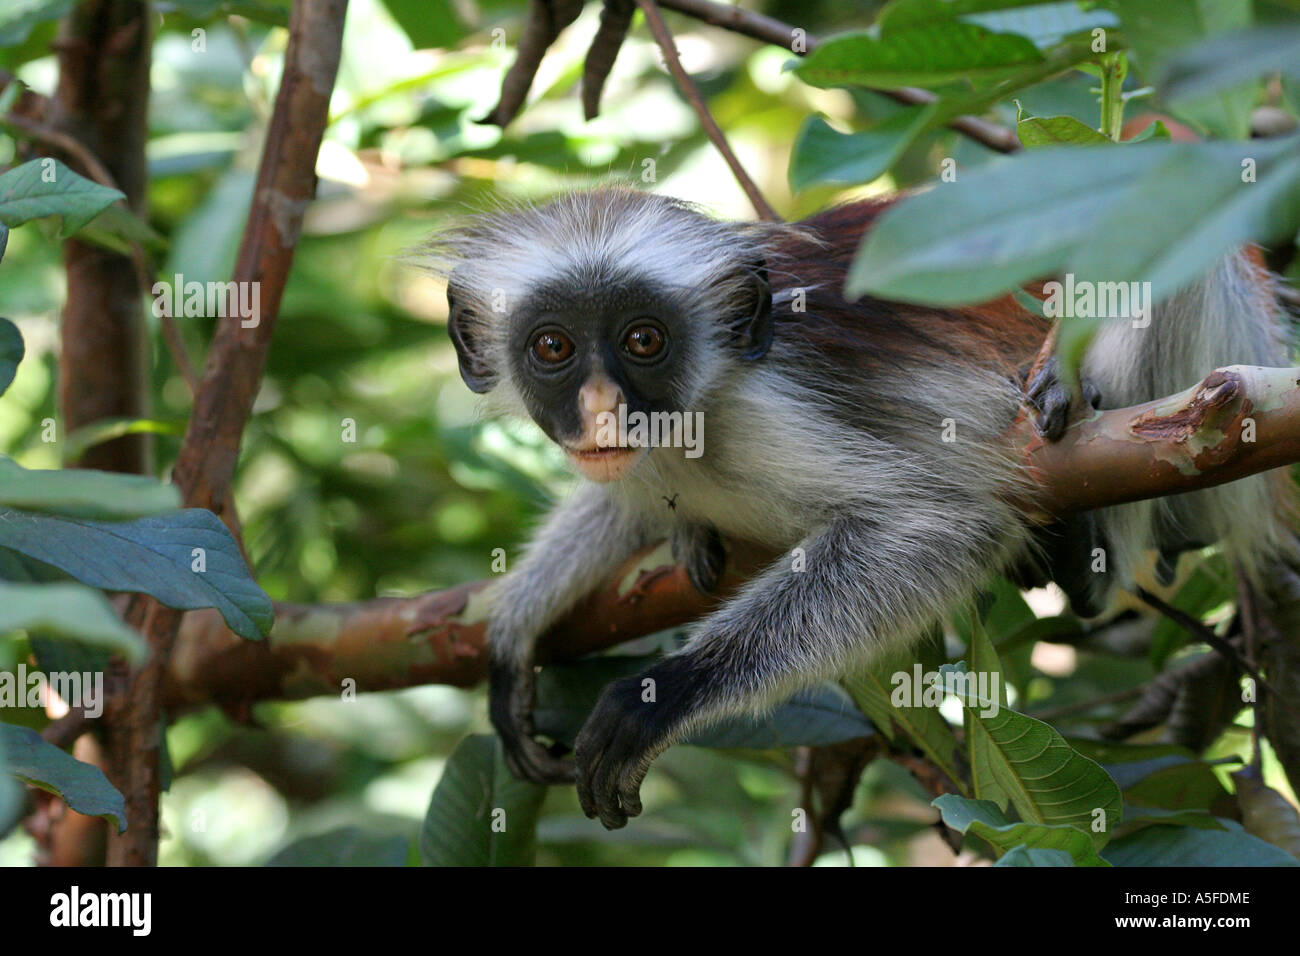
<point x="511" y="698"/>
<point x="1048" y="396"/>
<point x="698" y="548"/>
<point x="635" y="720"/>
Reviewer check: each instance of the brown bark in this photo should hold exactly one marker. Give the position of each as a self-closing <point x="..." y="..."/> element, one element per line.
<point x="102" y="101"/>
<point x="1192" y="440"/>
<point x="286" y="184"/>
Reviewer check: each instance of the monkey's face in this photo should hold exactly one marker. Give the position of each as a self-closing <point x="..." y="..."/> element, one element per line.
<point x="588" y="360"/>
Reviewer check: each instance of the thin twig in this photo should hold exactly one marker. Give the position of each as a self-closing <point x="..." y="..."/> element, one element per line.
<point x="1248" y="612"/>
<point x="96" y="170"/>
<point x="65" y="143"/>
<point x="665" y="40"/>
<point x="1205" y="634"/>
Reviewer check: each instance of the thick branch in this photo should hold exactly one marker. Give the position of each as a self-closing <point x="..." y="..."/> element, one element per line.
<point x="205" y="464"/>
<point x="1192" y="440"/>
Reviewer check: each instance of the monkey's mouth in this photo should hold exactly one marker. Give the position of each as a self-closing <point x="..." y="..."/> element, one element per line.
<point x="604" y="464"/>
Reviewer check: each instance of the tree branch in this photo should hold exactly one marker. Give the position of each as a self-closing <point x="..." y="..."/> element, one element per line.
<point x="1191" y="440"/>
<point x="710" y="126"/>
<point x="204" y="467"/>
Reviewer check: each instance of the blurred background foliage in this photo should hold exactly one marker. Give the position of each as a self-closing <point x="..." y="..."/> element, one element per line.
<point x="428" y="489"/>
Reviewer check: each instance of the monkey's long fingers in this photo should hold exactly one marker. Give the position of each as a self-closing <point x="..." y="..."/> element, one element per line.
<point x="511" y="710"/>
<point x="1051" y="399"/>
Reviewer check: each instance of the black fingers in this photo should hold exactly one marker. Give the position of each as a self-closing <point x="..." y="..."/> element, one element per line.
<point x="510" y="706"/>
<point x="700" y="550"/>
<point x="1047" y="395"/>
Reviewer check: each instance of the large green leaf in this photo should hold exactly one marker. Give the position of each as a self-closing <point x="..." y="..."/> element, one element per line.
<point x="929" y="55"/>
<point x="82" y="493"/>
<point x="45" y="187"/>
<point x="1156" y="31"/>
<point x="11" y="351"/>
<point x="428" y="23"/>
<point x="1024" y="762"/>
<point x="67" y="610"/>
<point x="1034" y="856"/>
<point x="345" y="846"/>
<point x="1231" y="59"/>
<point x="876" y="690"/>
<point x="83" y="786"/>
<point x="566" y="694"/>
<point x="11" y="795"/>
<point x="155" y="556"/>
<point x="480" y="814"/>
<point x="825" y="155"/>
<point x="1055" y="131"/>
<point x="1189" y="846"/>
<point x="18" y="17"/>
<point x="1043" y="21"/>
<point x="986" y="821"/>
<point x="1041" y="212"/>
<point x="264" y="11"/>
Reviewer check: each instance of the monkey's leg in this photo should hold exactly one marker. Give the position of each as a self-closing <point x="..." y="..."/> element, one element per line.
<point x="699" y="549"/>
<point x="1047" y="395"/>
<point x="582" y="539"/>
<point x="867" y="582"/>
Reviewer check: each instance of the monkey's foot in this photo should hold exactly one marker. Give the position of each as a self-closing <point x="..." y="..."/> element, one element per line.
<point x="628" y="728"/>
<point x="510" y="706"/>
<point x="699" y="549"/>
<point x="1048" y="396"/>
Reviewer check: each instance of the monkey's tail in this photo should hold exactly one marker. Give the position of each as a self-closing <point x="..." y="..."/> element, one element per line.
<point x="1230" y="317"/>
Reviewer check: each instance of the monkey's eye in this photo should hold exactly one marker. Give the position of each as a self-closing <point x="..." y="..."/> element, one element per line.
<point x="644" y="341"/>
<point x="552" y="346"/>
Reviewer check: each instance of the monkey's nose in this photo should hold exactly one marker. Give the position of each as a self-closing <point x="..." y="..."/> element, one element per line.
<point x="599" y="394"/>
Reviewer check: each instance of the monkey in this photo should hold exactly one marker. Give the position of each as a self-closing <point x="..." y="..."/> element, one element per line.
<point x="867" y="436"/>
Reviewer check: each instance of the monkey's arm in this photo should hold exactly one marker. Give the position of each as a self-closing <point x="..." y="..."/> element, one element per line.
<point x="582" y="538"/>
<point x="867" y="582"/>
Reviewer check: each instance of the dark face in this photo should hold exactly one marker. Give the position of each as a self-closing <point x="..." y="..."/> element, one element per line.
<point x="567" y="337"/>
<point x="580" y="349"/>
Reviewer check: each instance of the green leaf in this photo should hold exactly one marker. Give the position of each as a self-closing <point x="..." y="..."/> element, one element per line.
<point x="929" y="55"/>
<point x="1156" y="31"/>
<point x="1034" y="856"/>
<point x="1231" y="59"/>
<point x="825" y="155"/>
<point x="263" y="11"/>
<point x="985" y="820"/>
<point x="1070" y="840"/>
<point x="1135" y="818"/>
<point x="875" y="690"/>
<point x="1026" y="763"/>
<point x="566" y="694"/>
<point x="345" y="846"/>
<point x="1187" y="846"/>
<point x="427" y="23"/>
<point x="1043" y="21"/>
<point x="70" y="611"/>
<point x="45" y="187"/>
<point x="83" y="493"/>
<point x="153" y="556"/>
<point x="107" y="429"/>
<point x="19" y="17"/>
<point x="11" y="795"/>
<point x="480" y="814"/>
<point x="1038" y="213"/>
<point x="11" y="350"/>
<point x="82" y="786"/>
<point x="1055" y="131"/>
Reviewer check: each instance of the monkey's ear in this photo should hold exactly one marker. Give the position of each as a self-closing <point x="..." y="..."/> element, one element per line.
<point x="474" y="367"/>
<point x="754" y="324"/>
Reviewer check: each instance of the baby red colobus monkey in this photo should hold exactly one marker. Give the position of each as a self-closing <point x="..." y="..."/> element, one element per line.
<point x="823" y="430"/>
